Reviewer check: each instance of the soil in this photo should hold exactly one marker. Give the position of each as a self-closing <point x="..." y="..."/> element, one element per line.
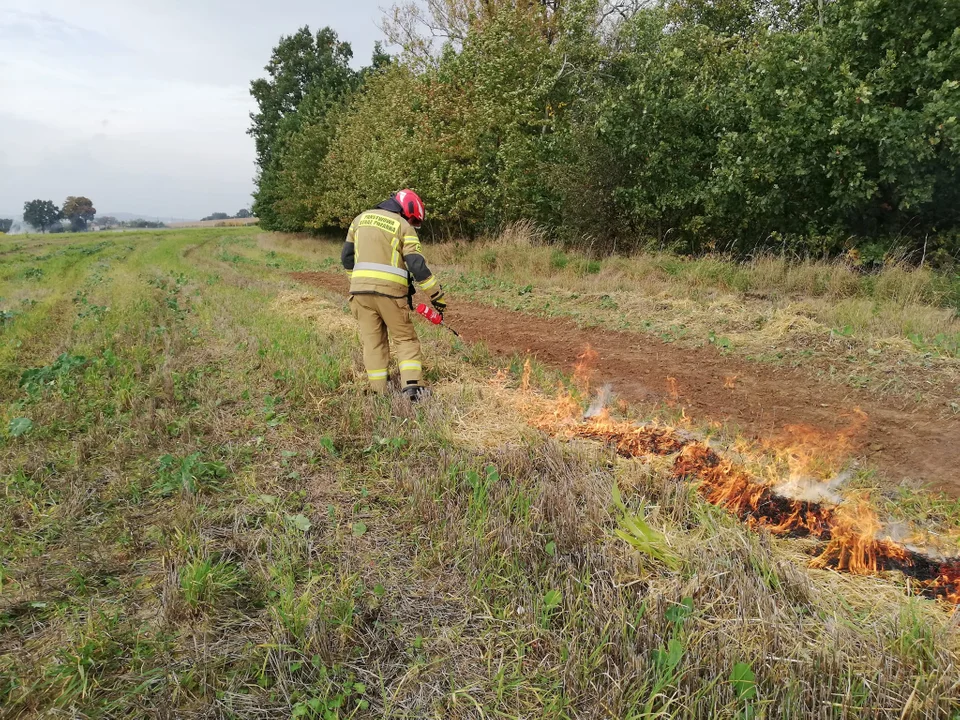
<point x="762" y="401"/>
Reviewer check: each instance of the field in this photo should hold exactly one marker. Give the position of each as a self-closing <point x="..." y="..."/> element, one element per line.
<point x="229" y="222"/>
<point x="204" y="515"/>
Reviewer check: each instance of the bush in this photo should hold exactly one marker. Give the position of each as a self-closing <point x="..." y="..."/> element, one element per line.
<point x="694" y="127"/>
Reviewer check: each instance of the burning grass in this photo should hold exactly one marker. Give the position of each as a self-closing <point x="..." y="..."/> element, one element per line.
<point x="850" y="535"/>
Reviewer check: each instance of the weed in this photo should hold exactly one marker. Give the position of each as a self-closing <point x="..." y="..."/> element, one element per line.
<point x="719" y="341"/>
<point x="559" y="260"/>
<point x="36" y="380"/>
<point x="589" y="267"/>
<point x="634" y="530"/>
<point x="289" y="547"/>
<point x="204" y="580"/>
<point x="551" y="602"/>
<point x="189" y="475"/>
<point x="19" y="426"/>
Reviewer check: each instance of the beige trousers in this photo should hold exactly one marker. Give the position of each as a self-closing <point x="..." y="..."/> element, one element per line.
<point x="381" y="319"/>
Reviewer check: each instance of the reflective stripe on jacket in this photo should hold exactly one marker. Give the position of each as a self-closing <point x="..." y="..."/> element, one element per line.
<point x="381" y="253"/>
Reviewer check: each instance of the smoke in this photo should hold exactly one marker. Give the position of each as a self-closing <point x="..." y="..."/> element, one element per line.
<point x="923" y="542"/>
<point x="20" y="227"/>
<point x="599" y="403"/>
<point x="814" y="491"/>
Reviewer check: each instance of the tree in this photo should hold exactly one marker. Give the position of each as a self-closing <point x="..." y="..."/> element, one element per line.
<point x="701" y="125"/>
<point x="242" y="214"/>
<point x="300" y="64"/>
<point x="79" y="211"/>
<point x="5" y="225"/>
<point x="216" y="216"/>
<point x="308" y="78"/>
<point x="106" y="221"/>
<point x="40" y="213"/>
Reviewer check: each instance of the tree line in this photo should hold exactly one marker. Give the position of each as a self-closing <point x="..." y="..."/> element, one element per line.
<point x="242" y="214"/>
<point x="44" y="214"/>
<point x="77" y="211"/>
<point x="810" y="126"/>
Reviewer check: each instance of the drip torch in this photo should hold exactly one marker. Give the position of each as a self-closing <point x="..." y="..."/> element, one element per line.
<point x="434" y="316"/>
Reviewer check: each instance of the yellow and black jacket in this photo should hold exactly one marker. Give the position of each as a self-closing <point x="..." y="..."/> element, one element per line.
<point x="382" y="256"/>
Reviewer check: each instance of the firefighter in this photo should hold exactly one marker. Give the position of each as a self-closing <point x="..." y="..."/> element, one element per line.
<point x="383" y="258"/>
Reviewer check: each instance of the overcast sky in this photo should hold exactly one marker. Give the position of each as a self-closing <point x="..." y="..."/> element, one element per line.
<point x="143" y="106"/>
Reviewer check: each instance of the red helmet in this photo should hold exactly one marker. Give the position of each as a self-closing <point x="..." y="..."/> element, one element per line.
<point x="412" y="207"/>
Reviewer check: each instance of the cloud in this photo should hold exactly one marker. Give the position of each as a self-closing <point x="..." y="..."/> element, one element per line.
<point x="143" y="106"/>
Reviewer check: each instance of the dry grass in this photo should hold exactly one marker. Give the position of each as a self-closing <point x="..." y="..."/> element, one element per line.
<point x="902" y="338"/>
<point x="328" y="549"/>
<point x="230" y="222"/>
<point x="314" y="309"/>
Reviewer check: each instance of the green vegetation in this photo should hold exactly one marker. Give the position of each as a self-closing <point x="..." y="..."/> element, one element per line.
<point x="739" y="126"/>
<point x="46" y="216"/>
<point x="79" y="211"/>
<point x="41" y="213"/>
<point x="895" y="331"/>
<point x="202" y="513"/>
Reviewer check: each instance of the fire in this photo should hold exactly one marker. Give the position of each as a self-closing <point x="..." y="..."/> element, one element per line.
<point x="947" y="583"/>
<point x="583" y="370"/>
<point x="811" y="452"/>
<point x="753" y="501"/>
<point x="851" y="534"/>
<point x="854" y="545"/>
<point x="673" y="388"/>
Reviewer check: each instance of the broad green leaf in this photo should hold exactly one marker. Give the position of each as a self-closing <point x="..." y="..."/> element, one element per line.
<point x="668" y="658"/>
<point x="20" y="426"/>
<point x="744" y="681"/>
<point x="552" y="599"/>
<point x="676" y="614"/>
<point x="300" y="522"/>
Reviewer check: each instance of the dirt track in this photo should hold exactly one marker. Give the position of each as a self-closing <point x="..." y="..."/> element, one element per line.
<point x="763" y="400"/>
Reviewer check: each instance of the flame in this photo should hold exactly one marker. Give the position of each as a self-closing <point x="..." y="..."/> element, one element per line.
<point x="525" y="380"/>
<point x="673" y="389"/>
<point x="854" y="547"/>
<point x="850" y="533"/>
<point x="753" y="501"/>
<point x="947" y="583"/>
<point x="812" y="452"/>
<point x="584" y="369"/>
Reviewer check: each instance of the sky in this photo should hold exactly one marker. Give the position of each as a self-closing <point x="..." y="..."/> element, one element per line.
<point x="143" y="106"/>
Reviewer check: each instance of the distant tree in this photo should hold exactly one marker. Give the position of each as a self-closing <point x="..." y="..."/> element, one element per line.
<point x="106" y="221"/>
<point x="242" y="214"/>
<point x="79" y="211"/>
<point x="6" y="224"/>
<point x="40" y="213"/>
<point x="141" y="223"/>
<point x="217" y="216"/>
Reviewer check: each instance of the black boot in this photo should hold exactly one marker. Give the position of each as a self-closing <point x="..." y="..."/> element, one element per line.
<point x="416" y="393"/>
